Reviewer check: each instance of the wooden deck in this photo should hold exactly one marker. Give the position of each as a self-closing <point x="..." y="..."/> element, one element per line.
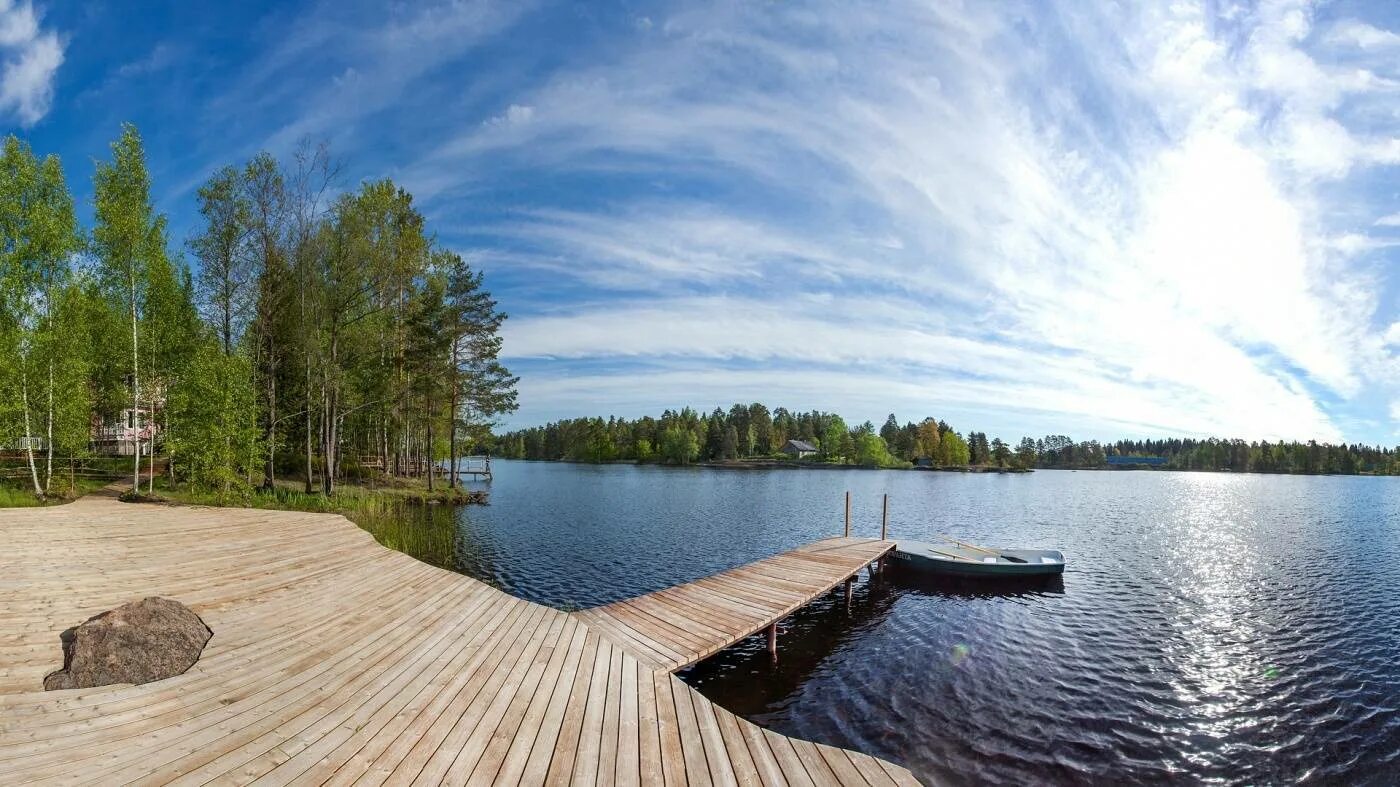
<point x="676" y="627"/>
<point x="337" y="661"/>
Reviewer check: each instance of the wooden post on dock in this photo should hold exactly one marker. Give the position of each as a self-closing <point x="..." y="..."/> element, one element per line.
<point x="885" y="519"/>
<point x="773" y="640"/>
<point x="848" y="514"/>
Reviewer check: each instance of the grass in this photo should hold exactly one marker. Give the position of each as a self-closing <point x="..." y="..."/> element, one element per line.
<point x="400" y="517"/>
<point x="19" y="493"/>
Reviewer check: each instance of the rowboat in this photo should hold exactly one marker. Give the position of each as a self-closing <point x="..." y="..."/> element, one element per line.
<point x="969" y="560"/>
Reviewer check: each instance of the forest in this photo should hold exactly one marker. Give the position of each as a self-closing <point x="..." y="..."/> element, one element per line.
<point x="749" y="432"/>
<point x="755" y="432"/>
<point x="325" y="330"/>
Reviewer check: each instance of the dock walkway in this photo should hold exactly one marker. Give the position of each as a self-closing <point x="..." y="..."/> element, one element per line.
<point x="678" y="626"/>
<point x="335" y="660"/>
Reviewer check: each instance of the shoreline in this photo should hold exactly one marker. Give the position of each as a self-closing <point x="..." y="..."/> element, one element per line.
<point x="783" y="464"/>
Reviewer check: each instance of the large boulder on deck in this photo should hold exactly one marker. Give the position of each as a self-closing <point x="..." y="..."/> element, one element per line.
<point x="151" y="639"/>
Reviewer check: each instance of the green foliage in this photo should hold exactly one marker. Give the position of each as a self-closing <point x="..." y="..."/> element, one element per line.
<point x="952" y="450"/>
<point x="214" y="437"/>
<point x="743" y="432"/>
<point x="226" y="270"/>
<point x="72" y="355"/>
<point x="832" y="448"/>
<point x="20" y="495"/>
<point x="679" y="446"/>
<point x="1001" y="453"/>
<point x="871" y="451"/>
<point x="40" y="367"/>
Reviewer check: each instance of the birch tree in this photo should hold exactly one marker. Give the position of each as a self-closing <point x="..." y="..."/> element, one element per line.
<point x="41" y="237"/>
<point x="225" y="268"/>
<point x="128" y="234"/>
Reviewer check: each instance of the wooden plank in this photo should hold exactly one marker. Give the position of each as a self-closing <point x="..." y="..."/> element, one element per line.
<point x="742" y="764"/>
<point x="870" y="769"/>
<point x="405" y="758"/>
<point x="721" y="760"/>
<point x="770" y="771"/>
<point x="558" y="765"/>
<point x="377" y="735"/>
<point x="468" y="715"/>
<point x="668" y="731"/>
<point x="649" y="756"/>
<point x="535" y="726"/>
<point x="608" y="742"/>
<point x="697" y="767"/>
<point x="590" y="741"/>
<point x="627" y="752"/>
<point x="387" y="746"/>
<point x="480" y="758"/>
<point x="840" y="765"/>
<point x="817" y="766"/>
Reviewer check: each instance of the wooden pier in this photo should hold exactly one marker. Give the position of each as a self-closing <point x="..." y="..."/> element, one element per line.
<point x="676" y="627"/>
<point x="335" y="660"/>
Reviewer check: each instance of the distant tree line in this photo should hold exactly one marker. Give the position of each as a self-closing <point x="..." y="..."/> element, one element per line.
<point x="747" y="432"/>
<point x="1310" y="458"/>
<point x="753" y="431"/>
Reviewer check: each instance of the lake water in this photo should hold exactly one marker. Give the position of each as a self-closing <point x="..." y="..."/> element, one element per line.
<point x="1209" y="627"/>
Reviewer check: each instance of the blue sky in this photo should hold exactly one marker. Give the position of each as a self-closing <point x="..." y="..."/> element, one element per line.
<point x="1133" y="219"/>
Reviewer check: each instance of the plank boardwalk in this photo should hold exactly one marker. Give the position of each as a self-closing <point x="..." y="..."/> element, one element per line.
<point x="337" y="661"/>
<point x="678" y="626"/>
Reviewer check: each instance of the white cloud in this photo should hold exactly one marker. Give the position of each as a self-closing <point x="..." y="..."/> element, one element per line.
<point x="31" y="57"/>
<point x="161" y="57"/>
<point x="515" y="114"/>
<point x="1360" y="34"/>
<point x="1130" y="223"/>
<point x="380" y="56"/>
<point x="1393" y="220"/>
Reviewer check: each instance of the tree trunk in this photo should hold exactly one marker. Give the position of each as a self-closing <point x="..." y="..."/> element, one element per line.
<point x="332" y="421"/>
<point x="135" y="391"/>
<point x="325" y="441"/>
<point x="169" y="458"/>
<point x="269" y="470"/>
<point x="48" y="469"/>
<point x="28" y="436"/>
<point x="309" y="410"/>
<point x="428" y="449"/>
<point x="151" y="455"/>
<point x="452" y="421"/>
